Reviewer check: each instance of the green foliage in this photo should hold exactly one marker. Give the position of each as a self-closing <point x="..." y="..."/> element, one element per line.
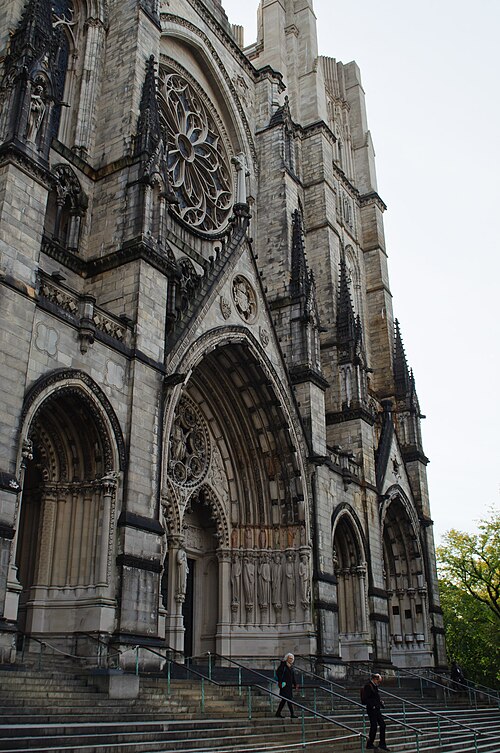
<point x="469" y="568"/>
<point x="472" y="635"/>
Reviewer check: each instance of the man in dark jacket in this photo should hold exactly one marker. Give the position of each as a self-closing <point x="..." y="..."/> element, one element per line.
<point x="287" y="683"/>
<point x="374" y="704"/>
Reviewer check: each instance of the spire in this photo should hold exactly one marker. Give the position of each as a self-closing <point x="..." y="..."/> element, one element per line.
<point x="300" y="282"/>
<point x="403" y="380"/>
<point x="34" y="33"/>
<point x="148" y="125"/>
<point x="348" y="326"/>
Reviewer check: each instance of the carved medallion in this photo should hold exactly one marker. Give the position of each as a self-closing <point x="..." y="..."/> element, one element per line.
<point x="198" y="162"/>
<point x="244" y="298"/>
<point x="189" y="446"/>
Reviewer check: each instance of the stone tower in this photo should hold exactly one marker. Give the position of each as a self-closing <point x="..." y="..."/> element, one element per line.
<point x="211" y="436"/>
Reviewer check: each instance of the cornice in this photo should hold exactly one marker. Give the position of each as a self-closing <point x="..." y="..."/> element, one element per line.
<point x="368" y="199"/>
<point x="351" y="414"/>
<point x="300" y="374"/>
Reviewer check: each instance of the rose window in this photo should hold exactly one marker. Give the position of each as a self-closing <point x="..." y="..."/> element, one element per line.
<point x="189" y="446"/>
<point x="198" y="162"/>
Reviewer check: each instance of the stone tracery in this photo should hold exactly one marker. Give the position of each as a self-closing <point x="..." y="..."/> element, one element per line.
<point x="197" y="158"/>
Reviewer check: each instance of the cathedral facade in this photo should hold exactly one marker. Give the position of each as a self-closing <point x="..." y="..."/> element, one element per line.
<point x="210" y="436"/>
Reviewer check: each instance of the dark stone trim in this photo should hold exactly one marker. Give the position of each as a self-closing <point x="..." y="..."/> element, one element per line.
<point x="413" y="454"/>
<point x="9" y="483"/>
<point x="137" y="639"/>
<point x="325" y="578"/>
<point x="300" y="374"/>
<point x="7" y="531"/>
<point x="381" y="593"/>
<point x="377" y="617"/>
<point x="437" y="630"/>
<point x="372" y="198"/>
<point x="326" y="606"/>
<point x="141" y="522"/>
<point x="434" y="609"/>
<point x="352" y="414"/>
<point x="15" y="152"/>
<point x="138" y="563"/>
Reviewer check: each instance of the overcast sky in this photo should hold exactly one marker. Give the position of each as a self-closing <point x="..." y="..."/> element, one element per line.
<point x="431" y="74"/>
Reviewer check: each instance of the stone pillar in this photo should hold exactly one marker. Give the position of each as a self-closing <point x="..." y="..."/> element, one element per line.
<point x="174" y="620"/>
<point x="223" y="635"/>
<point x="108" y="487"/>
<point x="361" y="573"/>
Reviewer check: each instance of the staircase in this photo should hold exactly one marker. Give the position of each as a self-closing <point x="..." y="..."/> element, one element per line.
<point x="59" y="709"/>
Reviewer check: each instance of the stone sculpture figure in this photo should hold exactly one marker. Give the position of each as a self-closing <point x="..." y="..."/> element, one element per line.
<point x="264" y="582"/>
<point x="248" y="581"/>
<point x="276" y="580"/>
<point x="290" y="580"/>
<point x="182" y="574"/>
<point x="36" y="113"/>
<point x="305" y="590"/>
<point x="235" y="580"/>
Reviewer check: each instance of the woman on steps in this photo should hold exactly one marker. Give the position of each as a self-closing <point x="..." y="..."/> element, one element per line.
<point x="287" y="684"/>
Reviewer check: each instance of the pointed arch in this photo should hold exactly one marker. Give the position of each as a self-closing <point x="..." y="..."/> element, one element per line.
<point x="350" y="558"/>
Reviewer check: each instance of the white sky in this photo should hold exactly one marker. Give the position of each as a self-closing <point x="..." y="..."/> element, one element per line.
<point x="431" y="73"/>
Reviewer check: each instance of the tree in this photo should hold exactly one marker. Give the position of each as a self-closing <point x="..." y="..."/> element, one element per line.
<point x="472" y="634"/>
<point x="471" y="561"/>
<point x="469" y="568"/>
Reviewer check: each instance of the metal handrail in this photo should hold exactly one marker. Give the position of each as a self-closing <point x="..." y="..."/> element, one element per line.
<point x="300" y="706"/>
<point x="100" y="642"/>
<point x="269" y="692"/>
<point x="438" y="714"/>
<point x="405" y="671"/>
<point x="469" y="685"/>
<point x="416" y="731"/>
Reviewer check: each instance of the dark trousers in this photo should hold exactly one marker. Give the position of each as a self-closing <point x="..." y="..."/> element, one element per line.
<point x="290" y="707"/>
<point x="376" y="719"/>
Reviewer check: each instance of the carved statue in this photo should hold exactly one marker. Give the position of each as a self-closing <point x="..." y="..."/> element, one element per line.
<point x="248" y="581"/>
<point x="277" y="580"/>
<point x="305" y="589"/>
<point x="235" y="580"/>
<point x="264" y="582"/>
<point x="290" y="580"/>
<point x="242" y="174"/>
<point x="182" y="573"/>
<point x="36" y="113"/>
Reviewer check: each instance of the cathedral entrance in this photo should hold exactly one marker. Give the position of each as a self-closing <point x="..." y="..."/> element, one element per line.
<point x="63" y="546"/>
<point x="233" y="502"/>
<point x="408" y="609"/>
<point x="350" y="570"/>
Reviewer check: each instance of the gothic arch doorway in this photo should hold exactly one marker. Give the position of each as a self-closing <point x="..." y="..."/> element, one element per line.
<point x="200" y="609"/>
<point x="234" y="501"/>
<point x="350" y="570"/>
<point x="406" y="589"/>
<point x="65" y="539"/>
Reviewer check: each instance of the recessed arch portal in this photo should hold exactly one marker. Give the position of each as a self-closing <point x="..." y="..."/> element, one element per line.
<point x="350" y="570"/>
<point x="230" y="450"/>
<point x="66" y="518"/>
<point x="405" y="582"/>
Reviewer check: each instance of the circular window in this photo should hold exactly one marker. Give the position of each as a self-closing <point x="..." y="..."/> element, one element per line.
<point x="198" y="161"/>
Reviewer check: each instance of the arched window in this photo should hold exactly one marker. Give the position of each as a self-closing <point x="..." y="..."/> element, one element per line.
<point x="66" y="206"/>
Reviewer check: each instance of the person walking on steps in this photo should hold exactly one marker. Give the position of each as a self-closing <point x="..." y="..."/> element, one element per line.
<point x="287" y="684"/>
<point x="374" y="704"/>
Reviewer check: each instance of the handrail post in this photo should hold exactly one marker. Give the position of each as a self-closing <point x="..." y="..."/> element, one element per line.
<point x="421" y="689"/>
<point x="249" y="701"/>
<point x="404" y="710"/>
<point x="439" y="730"/>
<point x="202" y="695"/>
<point x="169" y="671"/>
<point x="239" y="681"/>
<point x="137" y="660"/>
<point x="475" y="741"/>
<point x="209" y="665"/>
<point x="314" y="697"/>
<point x="303" y="729"/>
<point x="417" y="742"/>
